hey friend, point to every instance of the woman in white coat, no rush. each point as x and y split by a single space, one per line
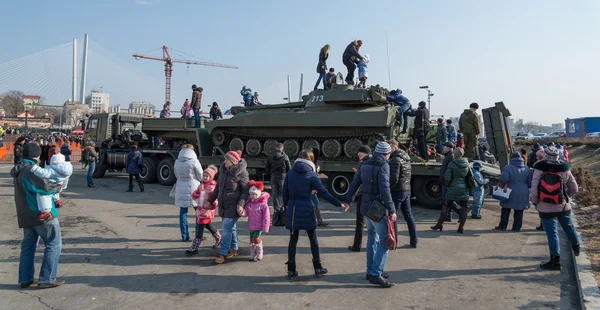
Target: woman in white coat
189 174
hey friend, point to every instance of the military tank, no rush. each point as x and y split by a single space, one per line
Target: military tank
336 122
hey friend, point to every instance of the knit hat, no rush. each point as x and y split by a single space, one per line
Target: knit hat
551 153
234 156
31 151
536 146
211 171
364 149
57 159
255 188
458 152
448 144
515 155
383 148
540 154
477 165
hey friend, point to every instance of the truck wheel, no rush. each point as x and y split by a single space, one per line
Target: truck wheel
148 173
100 170
166 172
338 184
428 191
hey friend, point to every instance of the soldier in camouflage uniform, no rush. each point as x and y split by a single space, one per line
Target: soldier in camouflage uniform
469 125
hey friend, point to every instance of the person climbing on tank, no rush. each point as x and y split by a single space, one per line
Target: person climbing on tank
215 112
403 104
247 96
421 128
350 58
255 100
363 74
322 66
330 78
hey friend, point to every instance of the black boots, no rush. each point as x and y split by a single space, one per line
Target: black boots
319 270
553 264
292 273
576 249
380 280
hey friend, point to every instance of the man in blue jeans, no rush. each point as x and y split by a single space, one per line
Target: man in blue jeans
400 174
91 158
196 103
35 223
374 176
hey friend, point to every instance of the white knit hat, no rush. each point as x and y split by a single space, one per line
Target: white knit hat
57 158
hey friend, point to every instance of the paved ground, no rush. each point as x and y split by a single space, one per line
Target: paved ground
122 250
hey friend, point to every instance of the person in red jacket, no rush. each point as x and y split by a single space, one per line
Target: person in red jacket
203 214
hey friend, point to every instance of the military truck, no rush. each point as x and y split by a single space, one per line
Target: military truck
335 121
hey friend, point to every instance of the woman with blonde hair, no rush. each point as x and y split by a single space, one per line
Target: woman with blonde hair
322 66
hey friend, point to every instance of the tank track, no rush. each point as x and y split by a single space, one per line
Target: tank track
343 142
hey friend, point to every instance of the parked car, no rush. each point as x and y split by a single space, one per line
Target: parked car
557 134
523 136
592 135
540 135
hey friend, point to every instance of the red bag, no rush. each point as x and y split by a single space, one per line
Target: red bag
390 241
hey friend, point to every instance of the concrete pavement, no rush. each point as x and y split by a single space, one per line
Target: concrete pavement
123 250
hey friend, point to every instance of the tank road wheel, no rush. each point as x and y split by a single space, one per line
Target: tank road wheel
311 144
428 191
166 172
236 145
332 148
291 148
253 147
373 140
351 148
269 146
148 171
218 137
338 184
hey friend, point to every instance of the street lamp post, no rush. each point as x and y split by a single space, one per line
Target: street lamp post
26 120
429 95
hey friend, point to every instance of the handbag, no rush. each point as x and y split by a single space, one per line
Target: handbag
390 241
471 180
279 216
501 194
376 209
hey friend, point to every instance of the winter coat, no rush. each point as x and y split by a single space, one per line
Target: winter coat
351 53
374 175
518 177
196 98
200 196
134 162
56 174
421 119
400 171
18 152
448 158
570 186
460 140
478 191
398 99
532 157
186 111
297 190
232 189
278 162
451 133
455 178
51 153
27 185
259 217
90 153
188 172
330 79
322 65
566 155
246 93
64 149
362 70
215 113
45 150
165 113
441 135
469 123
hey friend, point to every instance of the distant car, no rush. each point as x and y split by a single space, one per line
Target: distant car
523 136
541 135
592 135
557 134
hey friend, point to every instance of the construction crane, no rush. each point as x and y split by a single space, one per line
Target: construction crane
169 67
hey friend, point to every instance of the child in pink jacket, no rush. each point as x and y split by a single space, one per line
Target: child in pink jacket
205 215
259 218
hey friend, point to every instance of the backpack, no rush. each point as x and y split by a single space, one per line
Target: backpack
551 188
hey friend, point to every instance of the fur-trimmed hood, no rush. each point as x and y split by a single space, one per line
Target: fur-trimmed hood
552 166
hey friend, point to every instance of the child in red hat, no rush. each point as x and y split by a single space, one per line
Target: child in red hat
259 218
205 215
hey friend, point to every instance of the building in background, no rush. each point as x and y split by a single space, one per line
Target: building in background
98 102
579 127
74 112
141 107
558 126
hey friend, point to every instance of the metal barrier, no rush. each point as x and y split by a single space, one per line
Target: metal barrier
7 151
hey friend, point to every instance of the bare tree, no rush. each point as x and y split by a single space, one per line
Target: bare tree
12 102
76 112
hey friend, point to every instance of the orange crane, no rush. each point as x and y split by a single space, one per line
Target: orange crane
169 67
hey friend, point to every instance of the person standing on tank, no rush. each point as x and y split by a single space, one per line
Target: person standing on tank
421 127
247 96
400 175
196 103
350 58
322 65
278 164
469 126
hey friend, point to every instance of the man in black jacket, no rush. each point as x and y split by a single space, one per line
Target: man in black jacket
448 158
364 154
532 157
350 58
278 164
400 174
421 127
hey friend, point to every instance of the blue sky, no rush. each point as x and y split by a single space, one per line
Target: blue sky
539 57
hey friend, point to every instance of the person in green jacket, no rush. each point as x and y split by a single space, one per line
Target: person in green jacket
469 125
457 194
